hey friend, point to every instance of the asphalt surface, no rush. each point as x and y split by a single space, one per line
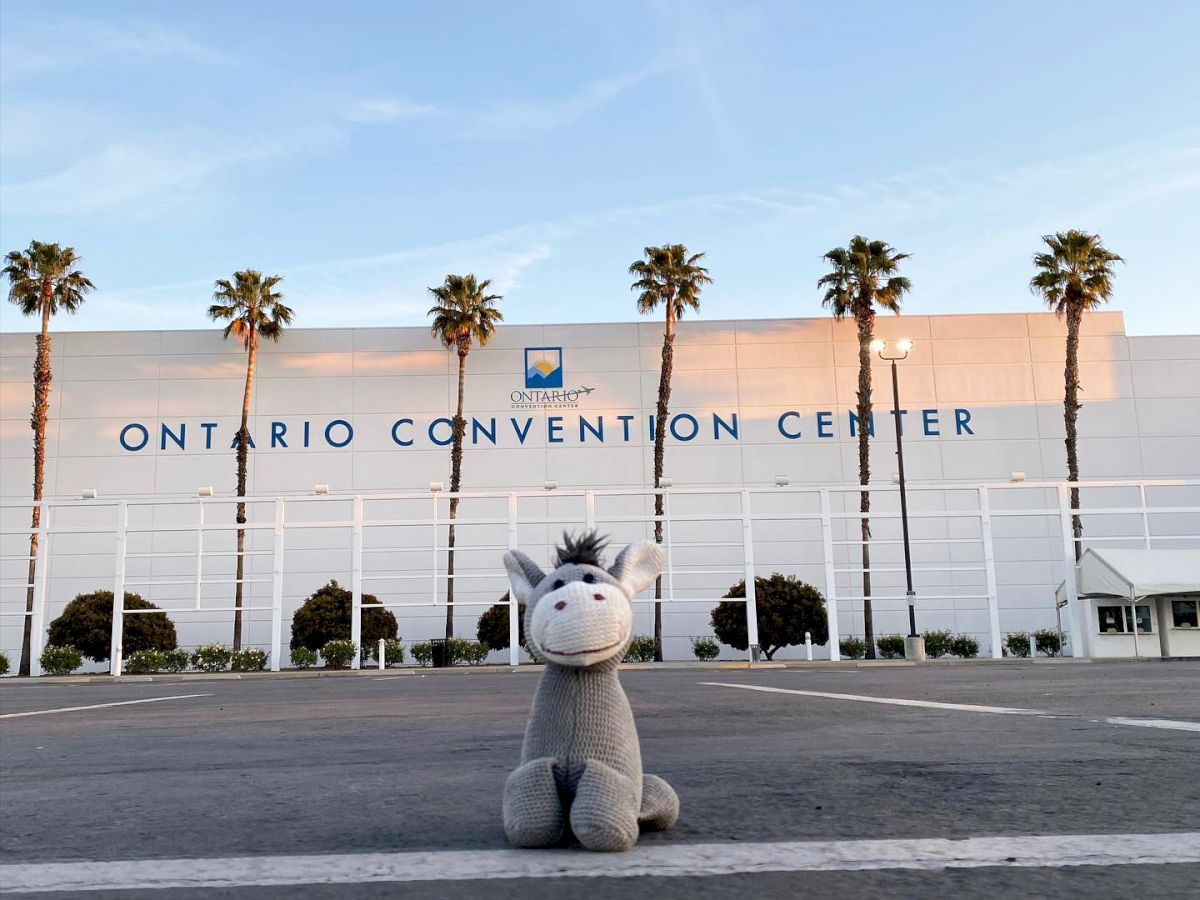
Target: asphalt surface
404 762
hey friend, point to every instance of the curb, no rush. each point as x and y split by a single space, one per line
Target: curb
410 671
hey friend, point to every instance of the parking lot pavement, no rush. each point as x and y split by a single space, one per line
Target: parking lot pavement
403 763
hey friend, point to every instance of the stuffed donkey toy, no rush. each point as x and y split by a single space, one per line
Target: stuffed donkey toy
581 766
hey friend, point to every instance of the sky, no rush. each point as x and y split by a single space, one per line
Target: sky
364 150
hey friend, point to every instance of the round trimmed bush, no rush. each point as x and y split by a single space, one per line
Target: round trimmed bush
325 617
641 649
303 658
86 625
492 629
938 643
338 654
787 607
852 648
1017 645
249 659
57 660
212 658
144 662
705 648
422 653
4 664
891 646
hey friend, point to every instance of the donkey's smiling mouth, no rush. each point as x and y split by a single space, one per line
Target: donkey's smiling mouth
617 643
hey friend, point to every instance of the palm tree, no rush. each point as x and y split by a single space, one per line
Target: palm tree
862 276
465 313
253 309
1075 275
670 276
42 280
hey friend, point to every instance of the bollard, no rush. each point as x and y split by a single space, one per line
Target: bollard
808 645
379 658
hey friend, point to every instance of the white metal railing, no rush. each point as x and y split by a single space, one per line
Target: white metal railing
746 512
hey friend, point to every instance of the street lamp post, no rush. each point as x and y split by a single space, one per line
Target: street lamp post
914 644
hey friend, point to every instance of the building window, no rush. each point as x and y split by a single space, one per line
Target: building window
1119 619
1185 613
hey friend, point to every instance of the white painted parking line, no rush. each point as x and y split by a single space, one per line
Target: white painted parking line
889 701
64 709
657 860
1170 724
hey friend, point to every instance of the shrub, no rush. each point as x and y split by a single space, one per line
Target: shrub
422 653
891 646
143 662
787 608
4 664
303 658
471 652
58 660
176 660
393 653
965 646
705 648
938 643
86 624
338 654
1048 642
212 658
852 648
325 617
492 629
641 649
1017 645
250 659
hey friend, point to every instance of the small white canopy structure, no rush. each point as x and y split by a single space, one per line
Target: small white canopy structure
1133 575
1137 573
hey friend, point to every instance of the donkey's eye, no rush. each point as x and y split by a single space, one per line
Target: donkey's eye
589 577
558 583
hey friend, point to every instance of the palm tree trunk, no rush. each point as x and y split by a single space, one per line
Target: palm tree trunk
865 336
1070 415
41 409
243 453
660 435
460 428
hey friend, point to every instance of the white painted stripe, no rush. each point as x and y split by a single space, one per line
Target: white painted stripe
890 701
63 709
1172 724
663 860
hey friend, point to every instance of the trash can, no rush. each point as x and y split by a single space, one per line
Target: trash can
440 653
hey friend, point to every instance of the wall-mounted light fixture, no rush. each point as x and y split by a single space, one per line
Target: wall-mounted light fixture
88 494
665 482
782 481
437 486
320 489
1016 477
205 491
550 484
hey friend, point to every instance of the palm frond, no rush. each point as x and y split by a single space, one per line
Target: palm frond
44 278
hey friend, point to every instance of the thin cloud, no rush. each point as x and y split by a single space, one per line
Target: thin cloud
379 110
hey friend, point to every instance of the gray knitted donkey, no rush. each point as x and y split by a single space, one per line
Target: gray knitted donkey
581 766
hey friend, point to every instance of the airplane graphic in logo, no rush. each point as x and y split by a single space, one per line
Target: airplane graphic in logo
543 367
587 390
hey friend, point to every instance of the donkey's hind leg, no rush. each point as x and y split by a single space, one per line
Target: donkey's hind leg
660 804
533 813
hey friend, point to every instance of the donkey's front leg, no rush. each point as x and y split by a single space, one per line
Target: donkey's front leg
604 815
533 813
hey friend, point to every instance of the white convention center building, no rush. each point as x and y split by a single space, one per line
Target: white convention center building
351 429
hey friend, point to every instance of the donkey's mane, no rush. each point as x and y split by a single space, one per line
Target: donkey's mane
584 550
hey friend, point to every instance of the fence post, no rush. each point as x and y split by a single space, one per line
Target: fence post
277 588
41 578
831 603
751 606
1145 514
356 555
989 565
118 616
808 645
199 551
514 609
381 650
1075 616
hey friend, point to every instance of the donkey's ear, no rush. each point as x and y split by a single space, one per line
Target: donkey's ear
523 573
637 566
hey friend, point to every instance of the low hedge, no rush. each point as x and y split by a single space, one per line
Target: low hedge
303 658
891 646
852 648
4 664
641 648
338 654
704 648
212 658
249 659
58 660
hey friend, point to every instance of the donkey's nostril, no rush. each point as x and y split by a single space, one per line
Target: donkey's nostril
561 604
598 596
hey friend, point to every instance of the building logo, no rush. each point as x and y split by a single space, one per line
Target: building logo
543 368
